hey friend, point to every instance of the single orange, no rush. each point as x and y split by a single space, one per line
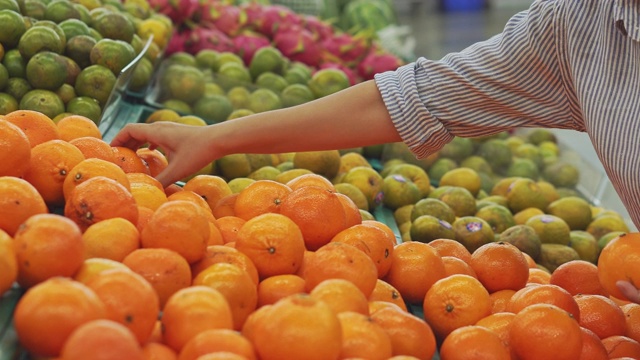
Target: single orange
15 150
164 269
259 197
211 187
619 346
235 285
415 267
155 160
148 195
555 327
107 338
113 239
129 300
144 215
77 126
450 247
632 317
538 276
453 302
37 126
229 227
454 265
310 180
274 244
226 254
217 340
50 164
601 315
142 178
19 200
225 206
317 211
620 260
373 241
351 210
128 160
532 263
386 292
578 277
193 310
592 346
337 260
363 338
92 167
191 196
498 323
276 287
100 198
473 342
341 296
8 263
409 334
546 294
222 355
499 266
158 351
500 300
49 312
94 266
94 148
41 243
182 220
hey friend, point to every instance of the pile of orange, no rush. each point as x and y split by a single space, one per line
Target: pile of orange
114 263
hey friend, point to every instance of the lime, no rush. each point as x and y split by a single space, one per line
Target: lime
264 100
296 94
85 106
44 101
95 81
13 27
7 103
272 81
213 108
17 87
328 81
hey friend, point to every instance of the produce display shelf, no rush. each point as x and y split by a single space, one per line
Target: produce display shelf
9 348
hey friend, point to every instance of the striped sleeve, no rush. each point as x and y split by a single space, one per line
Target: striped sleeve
513 79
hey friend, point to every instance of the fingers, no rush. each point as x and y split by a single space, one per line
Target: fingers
131 136
629 291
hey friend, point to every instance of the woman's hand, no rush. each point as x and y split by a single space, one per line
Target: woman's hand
186 147
629 291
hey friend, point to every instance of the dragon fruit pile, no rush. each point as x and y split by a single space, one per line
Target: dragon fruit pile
211 24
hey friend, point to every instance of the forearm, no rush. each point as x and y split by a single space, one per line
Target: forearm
351 118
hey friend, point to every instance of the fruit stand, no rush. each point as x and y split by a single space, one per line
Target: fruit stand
287 255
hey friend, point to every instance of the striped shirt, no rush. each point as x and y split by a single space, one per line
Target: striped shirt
567 64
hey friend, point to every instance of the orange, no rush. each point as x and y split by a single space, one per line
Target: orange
37 126
49 312
148 195
144 215
276 287
619 346
310 180
8 263
317 211
77 126
499 266
601 315
259 197
50 163
94 148
100 198
620 260
190 196
107 338
386 292
164 269
94 266
532 263
498 323
211 187
215 235
409 334
225 206
500 300
235 285
142 178
363 338
351 210
47 245
453 302
578 277
450 247
538 276
274 244
113 239
226 254
155 160
592 347
229 227
158 351
632 318
296 327
15 150
222 355
172 188
377 305
415 267
341 296
338 260
19 200
473 342
181 220
129 161
545 294
92 167
129 300
191 311
549 325
454 265
217 340
373 241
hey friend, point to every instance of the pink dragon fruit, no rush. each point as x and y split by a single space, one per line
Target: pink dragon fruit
320 29
351 74
177 41
178 10
226 18
253 13
348 48
377 61
248 42
276 18
298 44
202 38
